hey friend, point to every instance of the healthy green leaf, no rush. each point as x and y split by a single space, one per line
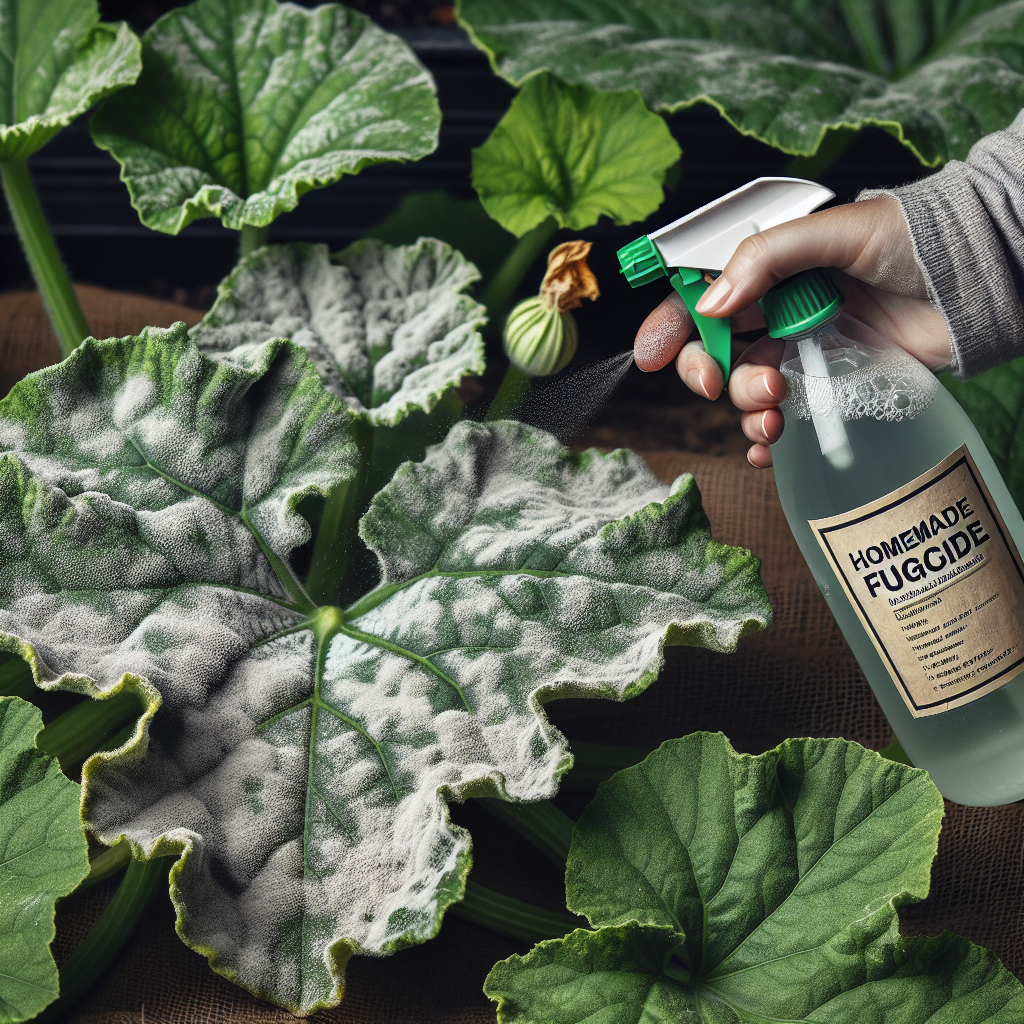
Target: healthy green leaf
43 856
937 75
243 106
995 402
390 329
302 758
56 61
573 153
727 888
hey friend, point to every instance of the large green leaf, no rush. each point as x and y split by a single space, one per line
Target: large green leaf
937 74
995 402
43 856
302 757
245 105
730 889
573 153
389 328
56 61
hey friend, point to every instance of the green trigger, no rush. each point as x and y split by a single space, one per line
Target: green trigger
715 333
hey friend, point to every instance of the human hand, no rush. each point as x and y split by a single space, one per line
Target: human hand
880 279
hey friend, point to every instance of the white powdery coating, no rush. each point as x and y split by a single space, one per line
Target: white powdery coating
313 813
389 328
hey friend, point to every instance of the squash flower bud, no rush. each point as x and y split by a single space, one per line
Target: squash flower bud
540 333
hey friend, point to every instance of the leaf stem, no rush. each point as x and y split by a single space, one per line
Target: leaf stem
498 294
252 238
541 824
332 551
895 752
514 386
832 146
16 679
514 918
593 763
105 865
99 948
47 267
81 731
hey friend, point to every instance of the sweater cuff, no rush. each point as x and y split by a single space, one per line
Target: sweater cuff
964 264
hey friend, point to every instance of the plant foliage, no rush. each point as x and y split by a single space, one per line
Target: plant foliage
572 153
995 402
43 856
725 888
302 756
245 105
390 329
56 61
936 74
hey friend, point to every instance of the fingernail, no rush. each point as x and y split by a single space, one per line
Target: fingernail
703 386
764 416
714 297
767 385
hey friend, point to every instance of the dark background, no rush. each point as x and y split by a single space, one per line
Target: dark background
103 242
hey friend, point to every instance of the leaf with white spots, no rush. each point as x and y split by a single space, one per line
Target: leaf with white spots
936 74
299 758
245 105
56 60
389 328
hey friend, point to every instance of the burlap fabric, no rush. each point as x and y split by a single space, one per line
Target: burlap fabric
796 679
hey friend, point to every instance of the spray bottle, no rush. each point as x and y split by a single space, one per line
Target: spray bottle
893 498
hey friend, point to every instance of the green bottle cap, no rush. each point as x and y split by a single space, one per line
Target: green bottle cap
641 262
801 302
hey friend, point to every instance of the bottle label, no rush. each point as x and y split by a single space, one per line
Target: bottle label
937 582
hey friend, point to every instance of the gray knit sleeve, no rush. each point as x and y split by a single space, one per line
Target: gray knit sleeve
967 224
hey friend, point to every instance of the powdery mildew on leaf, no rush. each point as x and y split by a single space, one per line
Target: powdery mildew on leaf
301 758
782 72
245 105
389 328
43 856
574 154
724 887
56 61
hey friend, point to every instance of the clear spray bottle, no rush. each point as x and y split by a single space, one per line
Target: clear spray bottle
908 529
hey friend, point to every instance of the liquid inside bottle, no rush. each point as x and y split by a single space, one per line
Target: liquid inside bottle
864 419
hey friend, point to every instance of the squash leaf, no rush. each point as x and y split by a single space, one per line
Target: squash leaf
390 329
56 61
573 153
995 402
301 757
935 74
727 888
243 106
43 856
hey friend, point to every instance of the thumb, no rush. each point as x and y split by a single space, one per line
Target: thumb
854 238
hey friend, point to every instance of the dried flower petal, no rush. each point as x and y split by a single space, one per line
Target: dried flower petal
568 279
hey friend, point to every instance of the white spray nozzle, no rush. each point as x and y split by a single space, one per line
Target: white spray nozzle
707 238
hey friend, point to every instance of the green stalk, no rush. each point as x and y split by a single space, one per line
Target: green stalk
834 144
105 865
542 824
514 387
512 917
498 294
895 752
43 258
99 948
253 238
80 732
595 762
16 679
332 551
